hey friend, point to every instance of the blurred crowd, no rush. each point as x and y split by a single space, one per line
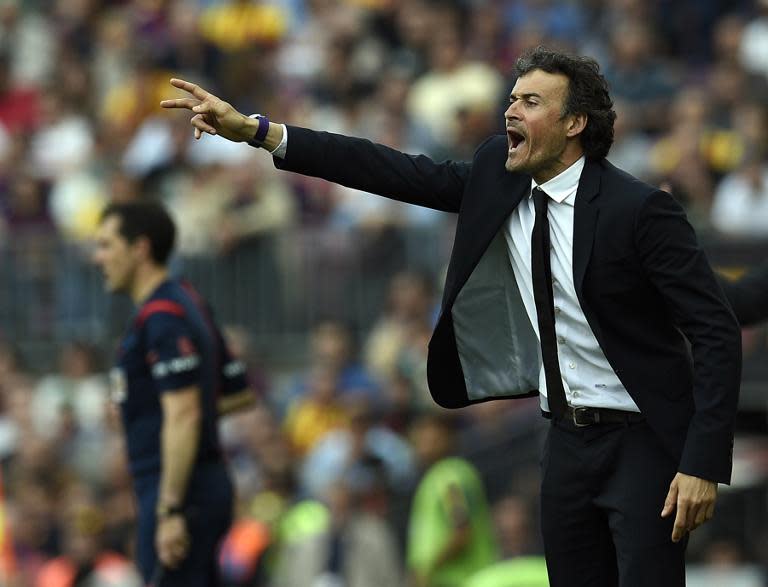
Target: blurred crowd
329 465
347 473
80 83
330 462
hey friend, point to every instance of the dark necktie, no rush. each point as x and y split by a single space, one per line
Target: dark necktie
545 308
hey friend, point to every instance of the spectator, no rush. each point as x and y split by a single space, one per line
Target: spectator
332 351
78 388
238 24
64 143
754 42
85 558
346 449
558 20
515 526
740 206
631 145
410 304
680 156
450 533
19 105
356 548
638 74
318 412
452 84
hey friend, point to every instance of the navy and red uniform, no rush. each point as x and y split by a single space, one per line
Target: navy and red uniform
172 343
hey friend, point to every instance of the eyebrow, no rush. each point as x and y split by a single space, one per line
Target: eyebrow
524 96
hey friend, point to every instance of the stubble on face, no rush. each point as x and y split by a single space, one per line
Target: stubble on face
536 128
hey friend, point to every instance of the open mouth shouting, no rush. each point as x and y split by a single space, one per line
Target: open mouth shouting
515 139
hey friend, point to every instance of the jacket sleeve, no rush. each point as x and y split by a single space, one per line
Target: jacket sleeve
373 168
748 295
678 268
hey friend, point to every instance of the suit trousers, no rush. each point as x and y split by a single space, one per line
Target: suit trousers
603 489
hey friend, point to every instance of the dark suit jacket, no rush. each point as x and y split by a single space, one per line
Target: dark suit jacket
748 295
644 284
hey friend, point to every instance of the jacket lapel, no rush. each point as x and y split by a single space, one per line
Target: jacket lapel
585 218
479 224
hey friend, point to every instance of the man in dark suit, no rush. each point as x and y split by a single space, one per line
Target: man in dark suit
573 280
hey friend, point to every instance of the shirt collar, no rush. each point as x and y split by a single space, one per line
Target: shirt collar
562 188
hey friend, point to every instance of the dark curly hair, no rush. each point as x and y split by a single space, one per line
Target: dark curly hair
587 94
145 218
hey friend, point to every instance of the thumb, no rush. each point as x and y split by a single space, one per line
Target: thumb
671 501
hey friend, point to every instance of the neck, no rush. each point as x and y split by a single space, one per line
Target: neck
148 278
568 157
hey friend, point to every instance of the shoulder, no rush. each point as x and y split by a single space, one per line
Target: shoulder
627 191
168 308
173 302
614 178
159 310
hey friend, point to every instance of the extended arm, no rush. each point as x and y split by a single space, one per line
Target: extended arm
356 163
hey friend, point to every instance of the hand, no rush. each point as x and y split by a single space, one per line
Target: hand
212 114
694 499
171 540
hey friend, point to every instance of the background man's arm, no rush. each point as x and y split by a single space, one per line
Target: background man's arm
180 438
179 442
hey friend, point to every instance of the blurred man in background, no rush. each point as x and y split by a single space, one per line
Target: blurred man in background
172 365
450 533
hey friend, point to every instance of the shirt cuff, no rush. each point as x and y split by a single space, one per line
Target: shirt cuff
281 149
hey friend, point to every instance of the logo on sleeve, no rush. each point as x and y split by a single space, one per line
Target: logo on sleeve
188 360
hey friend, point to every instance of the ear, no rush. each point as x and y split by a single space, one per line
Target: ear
577 123
143 248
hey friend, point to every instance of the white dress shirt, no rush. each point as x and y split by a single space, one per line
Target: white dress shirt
588 378
282 146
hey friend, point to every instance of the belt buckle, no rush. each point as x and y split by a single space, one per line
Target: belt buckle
582 423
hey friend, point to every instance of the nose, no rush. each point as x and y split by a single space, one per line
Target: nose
512 112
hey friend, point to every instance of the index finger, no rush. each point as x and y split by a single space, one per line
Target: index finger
193 89
188 103
681 522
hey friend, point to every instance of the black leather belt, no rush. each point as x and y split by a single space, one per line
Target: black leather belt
582 417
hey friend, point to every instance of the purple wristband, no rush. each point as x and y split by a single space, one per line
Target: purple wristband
261 132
